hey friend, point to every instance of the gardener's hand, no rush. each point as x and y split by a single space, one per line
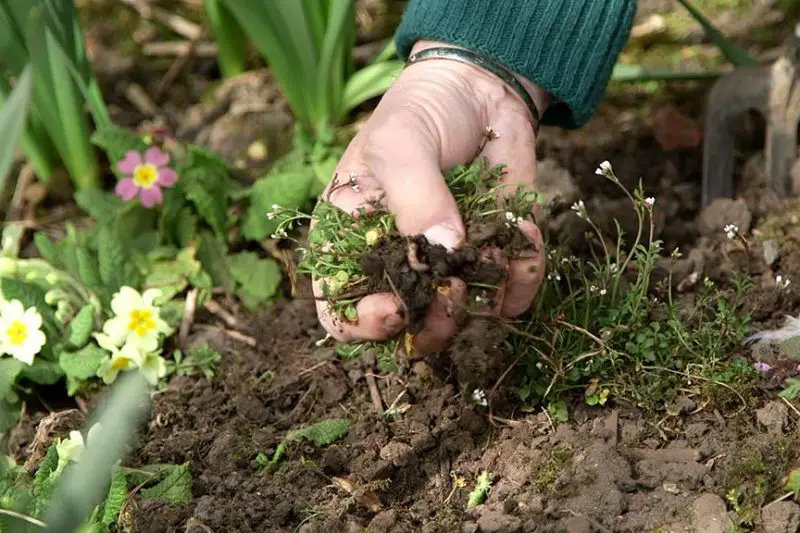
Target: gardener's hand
436 115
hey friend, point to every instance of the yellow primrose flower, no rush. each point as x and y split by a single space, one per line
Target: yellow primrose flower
122 359
135 318
72 448
153 368
20 331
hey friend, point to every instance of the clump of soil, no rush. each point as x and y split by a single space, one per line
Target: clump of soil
414 269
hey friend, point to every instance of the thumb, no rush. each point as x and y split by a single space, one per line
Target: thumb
415 190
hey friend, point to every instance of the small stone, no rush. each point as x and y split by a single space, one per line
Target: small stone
781 517
383 522
710 515
577 524
774 416
398 453
469 527
770 251
498 522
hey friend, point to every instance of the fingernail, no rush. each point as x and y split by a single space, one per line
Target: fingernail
393 324
444 235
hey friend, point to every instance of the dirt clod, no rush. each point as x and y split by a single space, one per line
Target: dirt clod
774 416
781 517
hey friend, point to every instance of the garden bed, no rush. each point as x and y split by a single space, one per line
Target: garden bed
713 453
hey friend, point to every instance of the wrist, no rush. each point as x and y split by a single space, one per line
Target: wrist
540 97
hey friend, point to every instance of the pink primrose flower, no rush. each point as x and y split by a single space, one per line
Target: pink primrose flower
146 177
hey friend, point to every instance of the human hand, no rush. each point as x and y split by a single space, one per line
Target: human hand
437 115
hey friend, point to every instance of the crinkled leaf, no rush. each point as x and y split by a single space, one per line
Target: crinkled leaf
117 494
88 270
9 370
213 256
81 365
116 141
176 487
81 327
101 206
290 189
172 312
258 278
322 433
42 372
173 276
206 188
47 249
9 414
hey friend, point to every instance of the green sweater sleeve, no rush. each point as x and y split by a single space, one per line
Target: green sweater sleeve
567 47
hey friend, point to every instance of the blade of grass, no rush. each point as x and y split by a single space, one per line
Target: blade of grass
85 484
637 73
230 38
272 27
12 122
77 152
735 54
369 82
35 142
331 64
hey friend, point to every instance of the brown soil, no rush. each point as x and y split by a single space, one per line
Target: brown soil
610 469
414 269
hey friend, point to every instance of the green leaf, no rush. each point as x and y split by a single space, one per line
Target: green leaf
115 268
9 414
99 205
88 271
176 487
369 82
47 249
12 121
9 370
117 494
322 433
735 54
213 255
258 278
290 189
206 189
81 365
42 372
171 277
81 327
116 142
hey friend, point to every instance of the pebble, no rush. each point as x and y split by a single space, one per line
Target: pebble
398 453
710 515
774 416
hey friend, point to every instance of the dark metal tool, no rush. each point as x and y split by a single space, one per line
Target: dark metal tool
774 91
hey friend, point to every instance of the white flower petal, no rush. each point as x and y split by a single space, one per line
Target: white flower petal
32 318
149 296
105 341
125 300
116 329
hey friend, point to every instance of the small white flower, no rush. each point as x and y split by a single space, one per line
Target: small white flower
71 449
592 288
731 230
554 276
603 292
604 169
275 207
509 216
613 268
650 201
782 282
479 397
580 209
20 332
137 318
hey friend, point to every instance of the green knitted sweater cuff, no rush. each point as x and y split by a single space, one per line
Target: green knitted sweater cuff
567 47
